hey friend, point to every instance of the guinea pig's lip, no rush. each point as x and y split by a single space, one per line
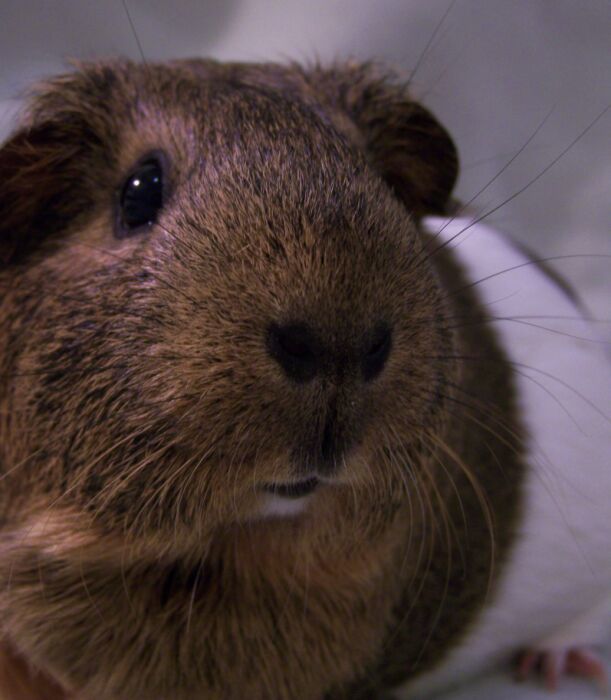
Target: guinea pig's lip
293 489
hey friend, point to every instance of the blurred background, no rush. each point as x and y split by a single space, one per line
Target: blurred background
492 71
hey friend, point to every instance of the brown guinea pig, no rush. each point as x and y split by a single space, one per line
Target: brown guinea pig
263 433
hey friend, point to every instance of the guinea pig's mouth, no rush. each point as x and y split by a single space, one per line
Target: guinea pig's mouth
294 489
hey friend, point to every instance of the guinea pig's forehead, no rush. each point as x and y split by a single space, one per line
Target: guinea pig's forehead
231 104
257 123
252 144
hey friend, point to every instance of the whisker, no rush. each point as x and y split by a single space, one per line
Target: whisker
528 184
424 52
192 596
134 32
472 322
534 261
481 497
515 365
538 468
470 201
446 582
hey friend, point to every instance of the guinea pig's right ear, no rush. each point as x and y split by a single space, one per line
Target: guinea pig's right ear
39 187
403 141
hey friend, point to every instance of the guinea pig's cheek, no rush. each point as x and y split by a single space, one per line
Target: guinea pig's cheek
95 247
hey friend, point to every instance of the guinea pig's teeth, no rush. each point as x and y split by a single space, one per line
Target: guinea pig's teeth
281 507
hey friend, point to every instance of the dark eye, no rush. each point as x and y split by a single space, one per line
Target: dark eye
141 198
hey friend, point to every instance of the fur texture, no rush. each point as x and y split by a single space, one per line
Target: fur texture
142 416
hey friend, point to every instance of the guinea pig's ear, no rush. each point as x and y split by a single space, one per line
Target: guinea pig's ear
51 168
39 188
404 142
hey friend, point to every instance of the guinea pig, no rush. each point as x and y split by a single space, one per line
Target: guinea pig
275 421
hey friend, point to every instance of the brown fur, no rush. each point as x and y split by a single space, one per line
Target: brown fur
140 411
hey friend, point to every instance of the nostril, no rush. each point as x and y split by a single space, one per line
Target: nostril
377 352
378 346
294 344
295 349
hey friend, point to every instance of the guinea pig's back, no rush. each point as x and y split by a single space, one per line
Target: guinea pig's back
555 587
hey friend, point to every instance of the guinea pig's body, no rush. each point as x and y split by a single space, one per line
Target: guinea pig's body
261 435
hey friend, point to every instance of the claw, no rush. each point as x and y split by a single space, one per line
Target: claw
552 665
585 663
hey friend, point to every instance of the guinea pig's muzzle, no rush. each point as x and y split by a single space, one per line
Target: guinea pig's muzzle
343 369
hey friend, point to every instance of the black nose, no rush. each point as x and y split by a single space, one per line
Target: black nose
295 349
302 356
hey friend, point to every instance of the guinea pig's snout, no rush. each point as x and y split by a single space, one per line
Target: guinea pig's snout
303 356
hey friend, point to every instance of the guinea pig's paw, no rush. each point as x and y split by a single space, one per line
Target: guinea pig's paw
553 664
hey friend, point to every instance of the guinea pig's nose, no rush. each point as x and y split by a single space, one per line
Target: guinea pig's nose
300 353
376 352
296 350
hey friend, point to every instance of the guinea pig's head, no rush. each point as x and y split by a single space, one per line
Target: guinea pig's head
217 308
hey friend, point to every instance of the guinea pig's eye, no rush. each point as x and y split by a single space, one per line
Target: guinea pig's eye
141 198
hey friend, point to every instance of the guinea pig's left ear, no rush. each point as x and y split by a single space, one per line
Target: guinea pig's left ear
54 164
38 191
404 142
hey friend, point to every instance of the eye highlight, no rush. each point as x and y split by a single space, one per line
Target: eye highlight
141 198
